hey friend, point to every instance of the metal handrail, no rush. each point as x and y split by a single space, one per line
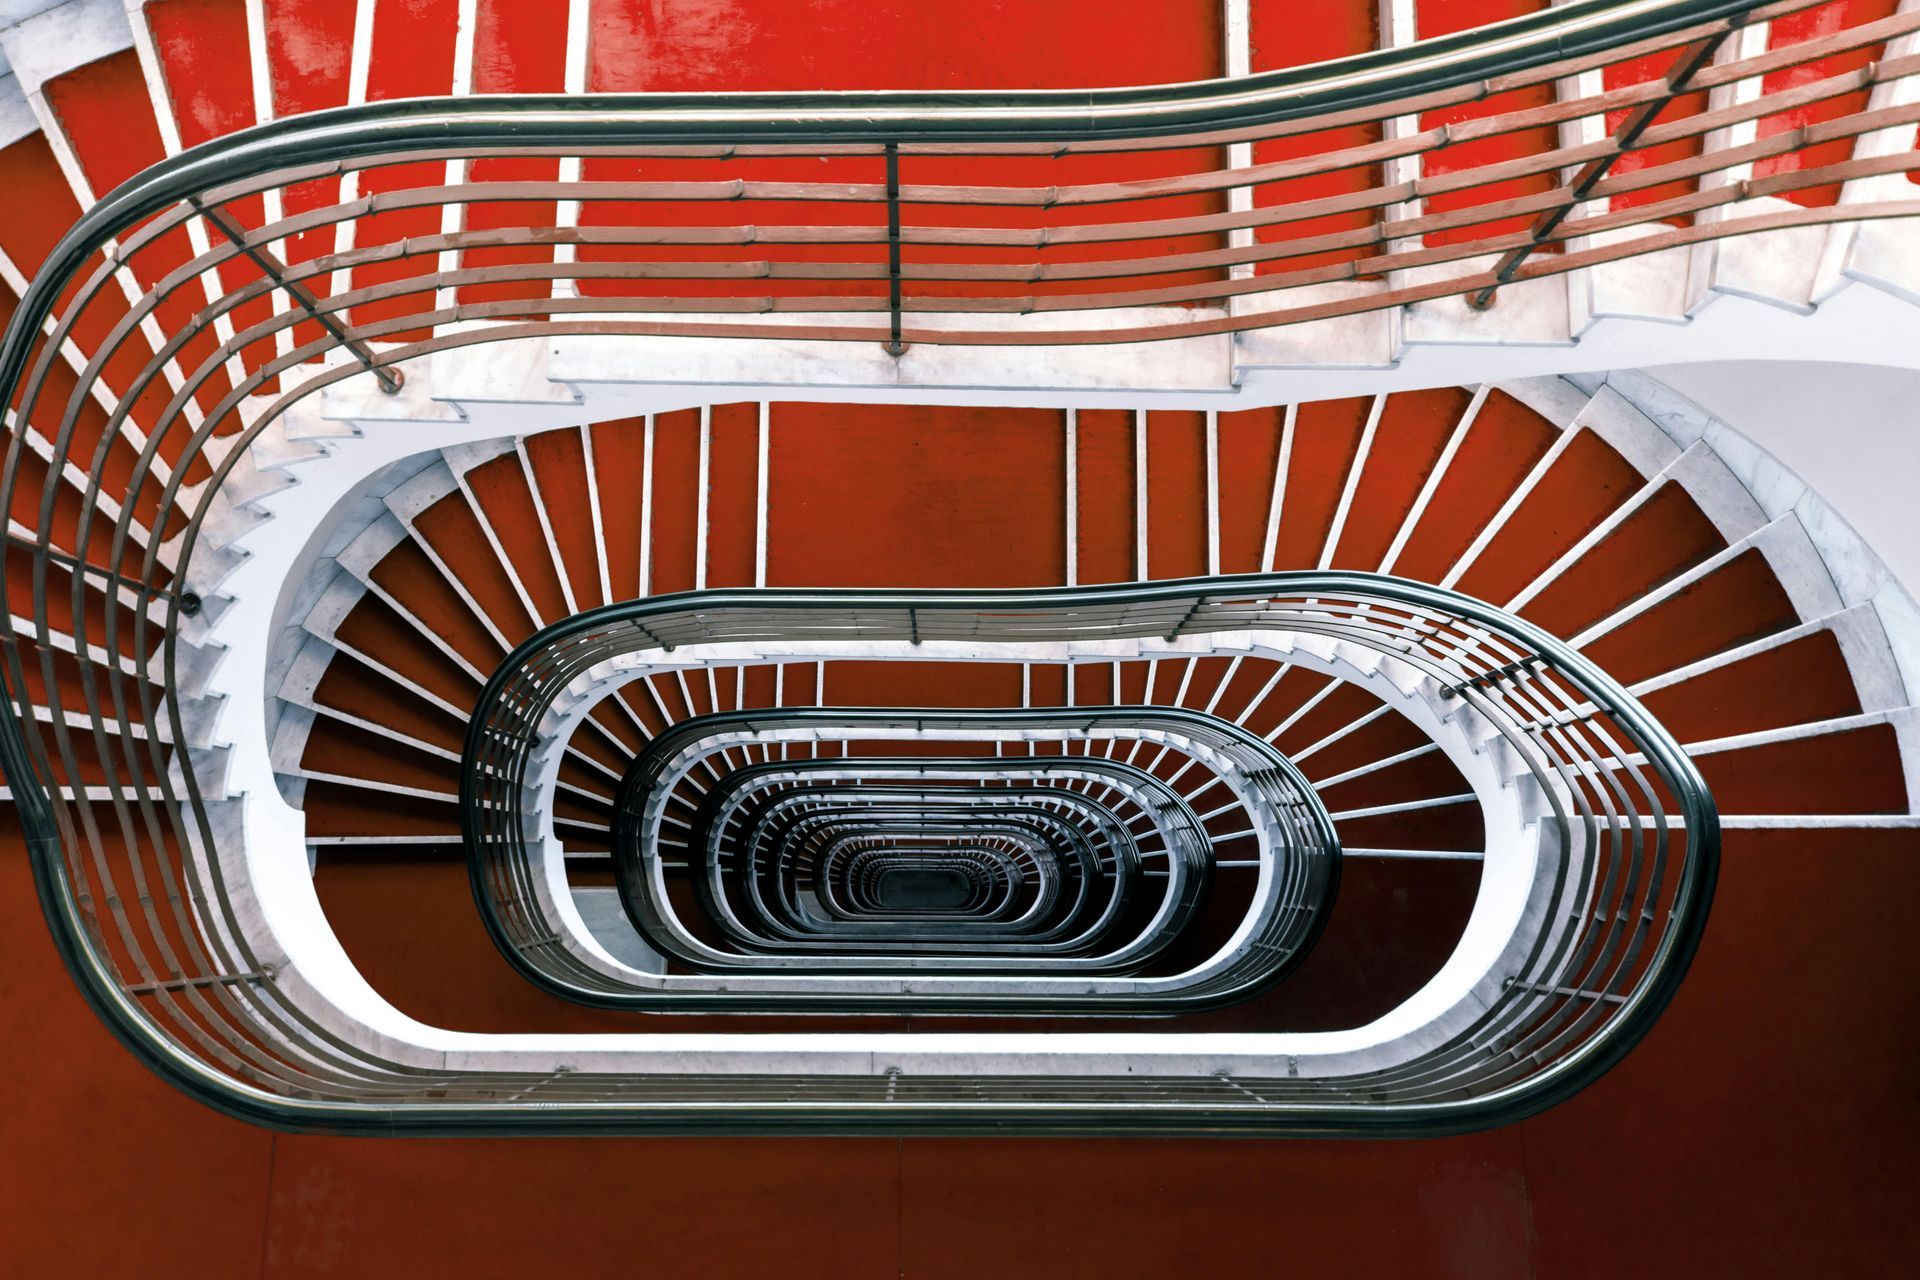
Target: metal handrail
499 807
1184 835
1463 68
1523 680
1097 847
1481 662
173 940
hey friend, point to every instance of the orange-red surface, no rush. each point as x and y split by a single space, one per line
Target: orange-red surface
1766 1128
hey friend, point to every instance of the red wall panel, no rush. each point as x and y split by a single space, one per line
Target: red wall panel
901 496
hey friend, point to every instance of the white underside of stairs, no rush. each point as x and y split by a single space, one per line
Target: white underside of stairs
611 376
328 544
346 448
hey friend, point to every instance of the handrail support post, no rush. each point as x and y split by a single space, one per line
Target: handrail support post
1693 58
895 347
390 380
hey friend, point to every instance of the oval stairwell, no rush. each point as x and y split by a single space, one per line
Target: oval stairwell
316 427
814 604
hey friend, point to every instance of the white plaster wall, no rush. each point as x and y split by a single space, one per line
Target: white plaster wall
1851 431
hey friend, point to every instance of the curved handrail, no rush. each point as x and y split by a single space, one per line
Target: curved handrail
1577 29
1593 1048
801 778
327 143
1322 93
1489 650
1190 868
503 863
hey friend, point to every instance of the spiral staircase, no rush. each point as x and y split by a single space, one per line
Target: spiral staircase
1187 611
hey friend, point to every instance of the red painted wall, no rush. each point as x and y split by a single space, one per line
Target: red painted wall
1765 1128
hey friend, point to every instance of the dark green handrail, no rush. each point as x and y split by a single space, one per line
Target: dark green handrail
477 124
